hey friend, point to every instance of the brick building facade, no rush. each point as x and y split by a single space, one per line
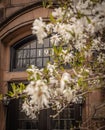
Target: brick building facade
16 17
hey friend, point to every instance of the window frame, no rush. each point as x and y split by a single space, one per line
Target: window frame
27 40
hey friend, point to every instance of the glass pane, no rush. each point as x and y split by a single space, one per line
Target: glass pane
19 63
26 53
67 119
62 126
39 45
24 63
34 124
26 46
55 124
22 115
70 124
33 44
28 124
19 53
51 51
66 113
27 62
24 122
72 113
32 53
32 61
39 52
46 52
39 62
46 42
45 60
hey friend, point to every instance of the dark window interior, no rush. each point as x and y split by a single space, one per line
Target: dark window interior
25 123
17 120
28 52
69 118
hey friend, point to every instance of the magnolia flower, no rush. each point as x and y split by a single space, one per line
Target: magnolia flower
51 68
34 72
30 110
58 13
55 39
68 58
41 94
66 79
58 105
49 28
41 34
101 58
53 81
68 94
79 45
38 97
30 87
64 31
25 107
76 28
39 29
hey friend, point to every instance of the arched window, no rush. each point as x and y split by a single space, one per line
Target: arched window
28 52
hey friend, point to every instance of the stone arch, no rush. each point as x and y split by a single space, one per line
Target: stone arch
16 28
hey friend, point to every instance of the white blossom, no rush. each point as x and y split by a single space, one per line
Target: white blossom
39 97
55 39
35 72
76 28
53 81
58 13
51 68
39 29
49 28
101 58
68 94
66 79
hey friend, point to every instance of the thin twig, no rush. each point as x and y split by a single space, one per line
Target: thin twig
59 111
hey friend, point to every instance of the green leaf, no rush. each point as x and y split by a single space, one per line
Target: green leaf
52 19
88 19
21 88
16 90
10 94
55 50
60 49
94 1
44 3
38 77
80 81
72 33
13 87
79 15
45 71
50 3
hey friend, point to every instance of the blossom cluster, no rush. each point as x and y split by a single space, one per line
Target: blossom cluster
75 33
44 92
